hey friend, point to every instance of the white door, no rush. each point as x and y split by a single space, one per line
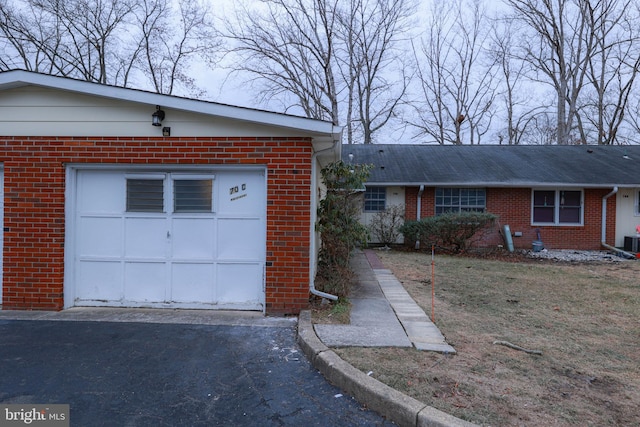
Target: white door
627 214
170 239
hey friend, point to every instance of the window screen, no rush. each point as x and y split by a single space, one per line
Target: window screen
193 195
145 195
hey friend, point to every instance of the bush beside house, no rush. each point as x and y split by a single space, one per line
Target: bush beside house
455 232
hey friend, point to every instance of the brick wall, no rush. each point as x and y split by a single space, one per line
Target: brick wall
34 185
513 208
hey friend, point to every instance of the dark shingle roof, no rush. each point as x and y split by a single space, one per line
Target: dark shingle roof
499 165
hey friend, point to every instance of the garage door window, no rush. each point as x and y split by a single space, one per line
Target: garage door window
145 195
192 195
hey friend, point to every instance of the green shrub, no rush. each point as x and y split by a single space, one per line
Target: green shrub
339 226
452 231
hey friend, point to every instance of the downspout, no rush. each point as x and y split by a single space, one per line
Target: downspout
604 228
314 218
419 210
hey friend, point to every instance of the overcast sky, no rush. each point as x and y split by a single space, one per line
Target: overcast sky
219 85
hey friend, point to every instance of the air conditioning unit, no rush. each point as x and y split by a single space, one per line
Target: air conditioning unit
631 243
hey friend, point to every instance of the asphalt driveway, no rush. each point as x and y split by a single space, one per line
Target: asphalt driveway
151 374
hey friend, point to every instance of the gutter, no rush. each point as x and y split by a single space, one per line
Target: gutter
497 184
314 217
419 210
603 239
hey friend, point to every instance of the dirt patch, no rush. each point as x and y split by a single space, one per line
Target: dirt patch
583 318
330 313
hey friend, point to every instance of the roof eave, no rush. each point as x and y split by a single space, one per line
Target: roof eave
20 78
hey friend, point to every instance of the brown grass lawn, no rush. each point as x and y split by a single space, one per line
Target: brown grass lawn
584 318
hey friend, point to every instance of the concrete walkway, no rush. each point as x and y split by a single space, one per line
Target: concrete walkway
383 314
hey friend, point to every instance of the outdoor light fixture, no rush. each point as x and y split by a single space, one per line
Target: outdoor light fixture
166 131
157 117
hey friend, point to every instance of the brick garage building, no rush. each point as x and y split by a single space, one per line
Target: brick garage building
578 197
212 208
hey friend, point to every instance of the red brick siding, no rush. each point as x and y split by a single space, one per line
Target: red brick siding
513 208
410 203
34 169
427 205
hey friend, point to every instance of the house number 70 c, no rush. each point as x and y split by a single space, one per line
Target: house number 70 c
236 189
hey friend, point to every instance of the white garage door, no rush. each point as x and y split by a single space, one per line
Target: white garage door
1 228
170 239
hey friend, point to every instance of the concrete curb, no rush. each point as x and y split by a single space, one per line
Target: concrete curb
394 405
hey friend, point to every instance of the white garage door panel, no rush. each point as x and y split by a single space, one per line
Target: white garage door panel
193 238
192 283
145 282
1 228
101 237
239 283
197 258
240 239
95 189
241 194
101 281
146 238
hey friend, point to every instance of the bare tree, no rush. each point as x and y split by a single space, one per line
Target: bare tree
612 69
289 47
632 120
22 31
587 51
558 48
377 81
456 78
349 65
541 130
73 38
331 59
521 108
106 41
168 42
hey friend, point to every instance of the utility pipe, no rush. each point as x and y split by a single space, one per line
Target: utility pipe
419 210
314 218
604 228
419 207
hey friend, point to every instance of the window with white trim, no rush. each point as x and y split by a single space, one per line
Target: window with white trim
557 207
192 195
458 200
145 195
375 199
182 193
